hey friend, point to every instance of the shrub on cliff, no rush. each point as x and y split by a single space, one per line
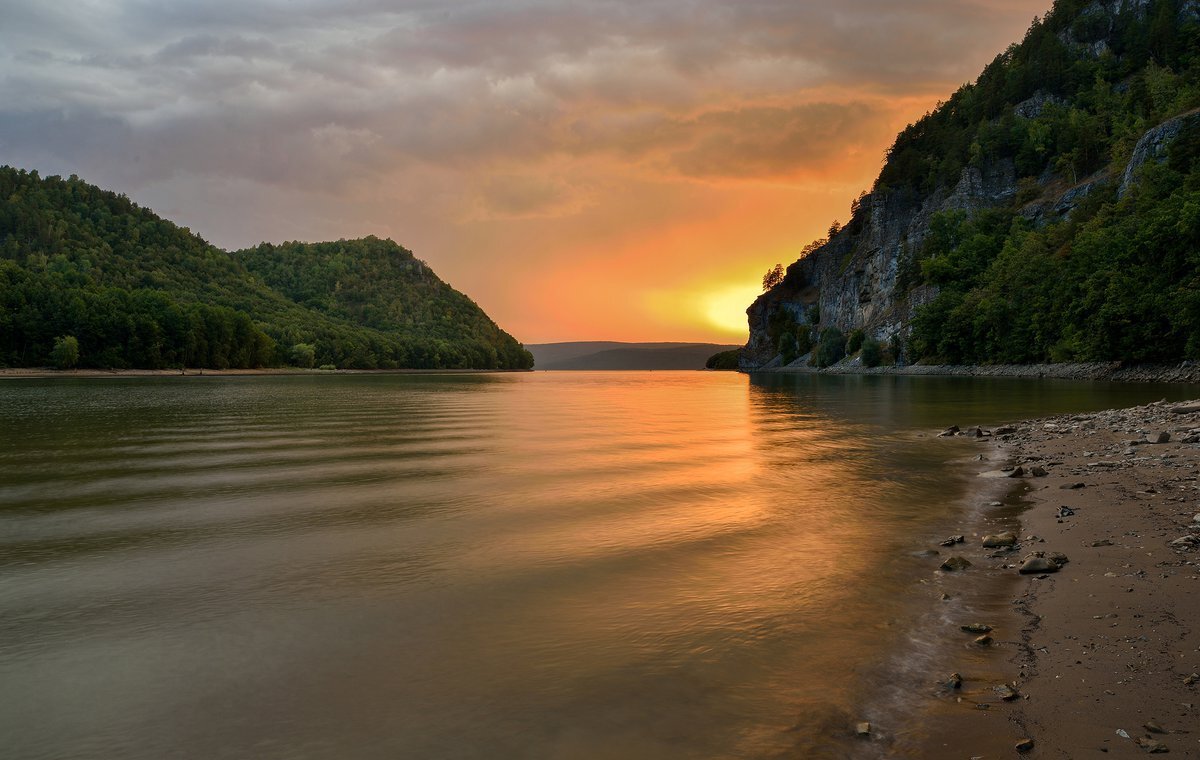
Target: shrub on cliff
872 353
855 341
832 347
788 347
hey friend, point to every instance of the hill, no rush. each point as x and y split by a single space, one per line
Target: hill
136 290
1049 211
611 355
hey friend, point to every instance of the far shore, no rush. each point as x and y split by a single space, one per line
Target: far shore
46 372
1104 652
1183 372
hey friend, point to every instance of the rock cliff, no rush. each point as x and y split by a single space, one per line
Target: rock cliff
854 279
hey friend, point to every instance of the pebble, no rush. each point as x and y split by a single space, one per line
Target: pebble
863 728
999 540
1006 692
1153 746
976 628
955 681
984 641
1025 745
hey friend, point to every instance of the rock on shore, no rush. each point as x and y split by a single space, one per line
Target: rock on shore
1111 645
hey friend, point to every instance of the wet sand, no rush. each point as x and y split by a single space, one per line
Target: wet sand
1101 655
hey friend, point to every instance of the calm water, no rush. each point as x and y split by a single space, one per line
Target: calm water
548 565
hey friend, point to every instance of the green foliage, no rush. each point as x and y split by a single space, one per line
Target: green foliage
303 355
724 360
804 340
1116 280
788 349
872 353
138 291
65 353
1093 105
855 341
832 347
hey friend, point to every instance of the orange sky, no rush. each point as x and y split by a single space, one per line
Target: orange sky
600 170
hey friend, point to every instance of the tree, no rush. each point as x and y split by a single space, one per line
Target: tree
773 277
832 347
65 353
304 355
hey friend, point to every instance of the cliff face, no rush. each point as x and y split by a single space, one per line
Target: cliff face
851 281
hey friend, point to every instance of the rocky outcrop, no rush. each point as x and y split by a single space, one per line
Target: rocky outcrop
1153 146
850 282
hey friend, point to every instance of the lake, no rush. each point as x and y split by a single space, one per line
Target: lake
540 565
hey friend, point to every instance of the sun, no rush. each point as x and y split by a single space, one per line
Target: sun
725 308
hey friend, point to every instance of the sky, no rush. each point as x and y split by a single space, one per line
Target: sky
599 170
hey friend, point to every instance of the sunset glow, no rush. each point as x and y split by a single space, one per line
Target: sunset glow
621 171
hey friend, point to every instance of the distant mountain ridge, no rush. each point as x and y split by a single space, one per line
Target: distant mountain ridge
137 291
614 355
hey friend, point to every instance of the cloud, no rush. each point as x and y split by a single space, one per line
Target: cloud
443 121
778 142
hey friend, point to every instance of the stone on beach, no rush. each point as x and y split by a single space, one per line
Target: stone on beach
999 540
976 628
1006 692
1152 746
1025 745
955 563
862 728
1038 565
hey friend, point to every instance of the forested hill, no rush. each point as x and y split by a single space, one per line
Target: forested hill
134 290
1049 211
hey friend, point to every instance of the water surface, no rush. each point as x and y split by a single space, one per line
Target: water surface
546 565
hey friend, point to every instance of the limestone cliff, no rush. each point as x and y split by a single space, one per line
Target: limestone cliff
851 280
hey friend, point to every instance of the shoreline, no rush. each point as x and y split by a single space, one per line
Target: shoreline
43 372
1105 650
1184 372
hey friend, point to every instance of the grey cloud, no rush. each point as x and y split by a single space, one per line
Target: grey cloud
767 142
326 94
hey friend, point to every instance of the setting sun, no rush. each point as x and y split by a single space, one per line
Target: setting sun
725 309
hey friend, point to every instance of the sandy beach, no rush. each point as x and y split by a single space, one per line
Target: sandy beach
1103 584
